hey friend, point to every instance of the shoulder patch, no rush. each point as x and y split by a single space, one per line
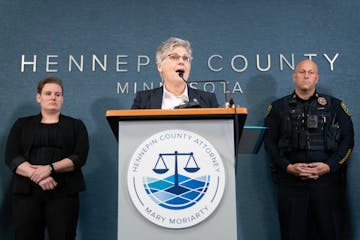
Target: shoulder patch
268 110
346 110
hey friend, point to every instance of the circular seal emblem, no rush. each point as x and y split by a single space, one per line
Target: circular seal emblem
322 101
176 179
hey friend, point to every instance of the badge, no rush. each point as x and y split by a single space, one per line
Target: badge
268 110
346 110
322 101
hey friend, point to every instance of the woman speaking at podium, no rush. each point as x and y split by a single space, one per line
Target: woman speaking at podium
45 152
173 59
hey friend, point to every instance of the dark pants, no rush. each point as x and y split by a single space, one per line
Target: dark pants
55 211
311 211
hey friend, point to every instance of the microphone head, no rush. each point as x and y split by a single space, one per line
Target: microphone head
181 73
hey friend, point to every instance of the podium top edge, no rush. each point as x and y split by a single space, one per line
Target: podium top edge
186 111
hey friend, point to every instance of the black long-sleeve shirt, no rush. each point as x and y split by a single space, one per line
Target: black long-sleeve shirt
71 140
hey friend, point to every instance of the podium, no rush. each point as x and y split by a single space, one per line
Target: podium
176 172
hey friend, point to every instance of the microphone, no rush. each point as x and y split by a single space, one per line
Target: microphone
181 74
229 101
191 104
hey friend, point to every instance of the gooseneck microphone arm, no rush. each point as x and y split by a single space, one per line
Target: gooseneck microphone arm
191 104
229 102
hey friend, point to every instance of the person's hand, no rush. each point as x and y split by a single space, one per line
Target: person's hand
302 170
320 168
25 169
48 183
41 172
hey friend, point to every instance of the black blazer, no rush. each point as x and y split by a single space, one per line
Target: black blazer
152 99
74 144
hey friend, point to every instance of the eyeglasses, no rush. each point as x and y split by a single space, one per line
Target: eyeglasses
176 57
310 72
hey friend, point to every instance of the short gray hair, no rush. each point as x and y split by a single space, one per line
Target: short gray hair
169 45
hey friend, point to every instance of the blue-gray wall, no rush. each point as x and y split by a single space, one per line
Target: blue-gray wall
127 33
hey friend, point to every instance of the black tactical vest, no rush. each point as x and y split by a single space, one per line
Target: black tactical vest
307 123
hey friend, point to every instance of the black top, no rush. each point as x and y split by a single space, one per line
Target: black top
46 147
30 140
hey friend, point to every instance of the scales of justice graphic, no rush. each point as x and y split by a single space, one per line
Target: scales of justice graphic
176 191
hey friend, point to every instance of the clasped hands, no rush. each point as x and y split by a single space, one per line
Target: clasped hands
308 170
40 175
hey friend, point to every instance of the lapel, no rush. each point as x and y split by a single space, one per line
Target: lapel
156 98
193 94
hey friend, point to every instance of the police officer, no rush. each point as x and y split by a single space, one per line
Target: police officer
310 137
